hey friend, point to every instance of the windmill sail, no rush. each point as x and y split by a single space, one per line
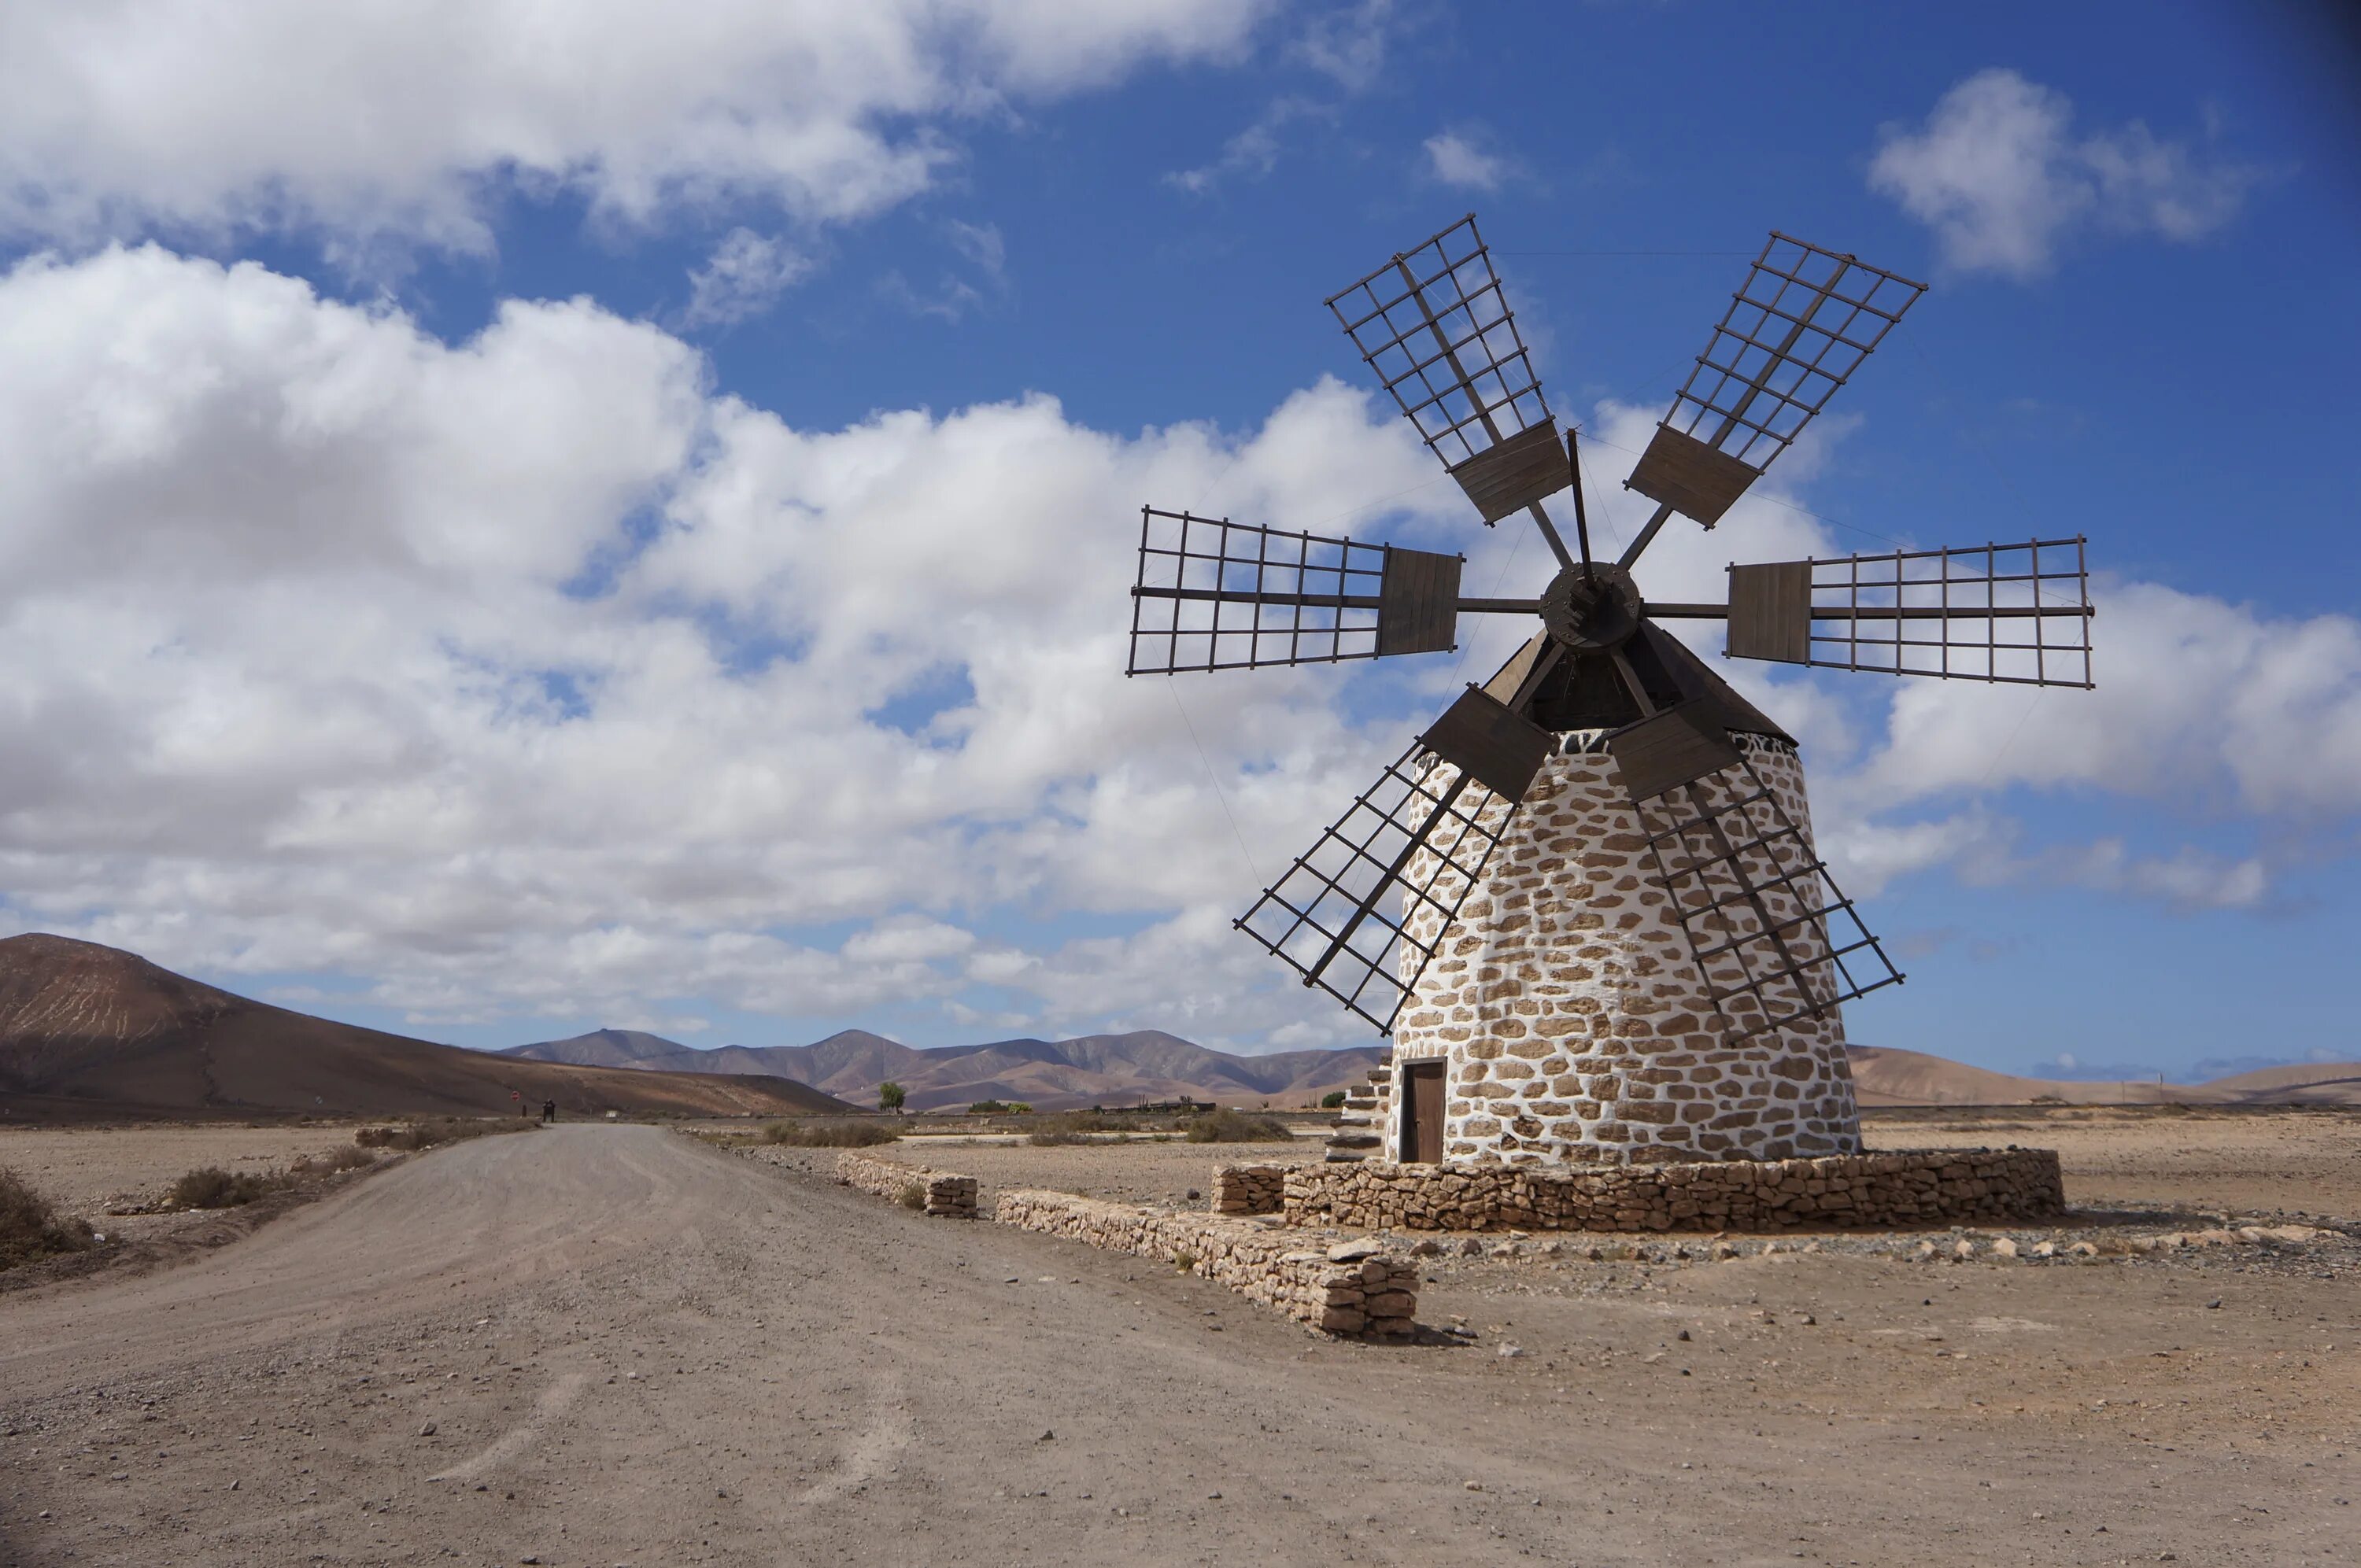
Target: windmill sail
1216 594
1362 912
2011 614
1802 324
1435 326
1774 938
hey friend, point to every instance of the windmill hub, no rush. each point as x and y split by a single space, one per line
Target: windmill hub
1591 608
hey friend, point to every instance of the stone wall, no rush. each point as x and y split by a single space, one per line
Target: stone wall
1353 1289
1249 1189
1913 1190
947 1196
1571 1013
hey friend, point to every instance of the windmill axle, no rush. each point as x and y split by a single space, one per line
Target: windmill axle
1591 608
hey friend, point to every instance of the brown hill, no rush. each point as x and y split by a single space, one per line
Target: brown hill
89 1032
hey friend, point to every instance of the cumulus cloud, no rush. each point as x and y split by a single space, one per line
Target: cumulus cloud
526 676
1457 158
743 278
1999 174
369 119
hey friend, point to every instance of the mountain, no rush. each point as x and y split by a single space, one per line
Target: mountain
1096 1070
1882 1076
90 1031
1148 1064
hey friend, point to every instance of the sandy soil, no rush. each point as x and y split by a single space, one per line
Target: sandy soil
2295 1162
615 1344
89 1171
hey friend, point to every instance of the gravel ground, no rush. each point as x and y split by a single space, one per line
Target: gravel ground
615 1345
1132 1172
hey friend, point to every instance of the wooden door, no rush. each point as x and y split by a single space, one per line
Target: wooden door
1421 1139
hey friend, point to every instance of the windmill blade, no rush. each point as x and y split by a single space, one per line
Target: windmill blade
1774 938
1435 326
2010 614
1799 327
1217 594
1361 912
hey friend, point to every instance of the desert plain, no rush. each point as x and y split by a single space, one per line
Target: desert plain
602 1344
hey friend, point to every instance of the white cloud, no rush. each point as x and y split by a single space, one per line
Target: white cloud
1349 44
371 118
744 278
1253 152
525 675
1454 158
1997 172
337 649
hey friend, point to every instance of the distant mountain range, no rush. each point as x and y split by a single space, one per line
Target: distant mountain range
1096 1070
93 1033
90 1031
1122 1070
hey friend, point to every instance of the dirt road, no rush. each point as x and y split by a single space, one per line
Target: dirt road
605 1346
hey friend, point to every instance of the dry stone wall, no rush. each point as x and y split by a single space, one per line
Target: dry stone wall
1914 1189
1249 1189
949 1196
1352 1289
1570 1011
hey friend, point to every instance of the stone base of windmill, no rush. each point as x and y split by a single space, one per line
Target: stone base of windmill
1562 1033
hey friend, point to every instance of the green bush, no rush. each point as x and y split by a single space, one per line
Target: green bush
829 1135
986 1107
1332 1101
30 1225
1236 1127
210 1187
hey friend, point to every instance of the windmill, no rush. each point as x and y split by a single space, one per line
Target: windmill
1585 900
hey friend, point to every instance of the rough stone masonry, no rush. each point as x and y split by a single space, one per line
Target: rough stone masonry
1906 1189
1571 1013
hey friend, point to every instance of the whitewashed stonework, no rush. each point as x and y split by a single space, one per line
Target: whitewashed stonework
1570 1013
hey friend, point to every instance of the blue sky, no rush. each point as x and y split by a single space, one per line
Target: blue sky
512 531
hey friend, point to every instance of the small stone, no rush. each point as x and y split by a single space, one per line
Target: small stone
1683 1336
1473 1486
1807 1319
2214 1305
427 1430
1508 1351
1213 1496
1352 1252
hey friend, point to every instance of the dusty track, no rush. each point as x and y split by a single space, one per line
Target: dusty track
636 1350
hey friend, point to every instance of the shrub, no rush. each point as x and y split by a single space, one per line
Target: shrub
343 1158
1332 1101
1073 1127
986 1107
829 1135
913 1195
210 1187
1236 1127
426 1132
1184 1260
30 1225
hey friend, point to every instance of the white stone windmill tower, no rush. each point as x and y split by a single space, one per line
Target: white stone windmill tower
1585 901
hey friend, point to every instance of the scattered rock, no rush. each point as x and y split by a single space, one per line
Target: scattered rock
1507 1351
427 1430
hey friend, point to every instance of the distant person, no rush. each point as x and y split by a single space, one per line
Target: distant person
549 1111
